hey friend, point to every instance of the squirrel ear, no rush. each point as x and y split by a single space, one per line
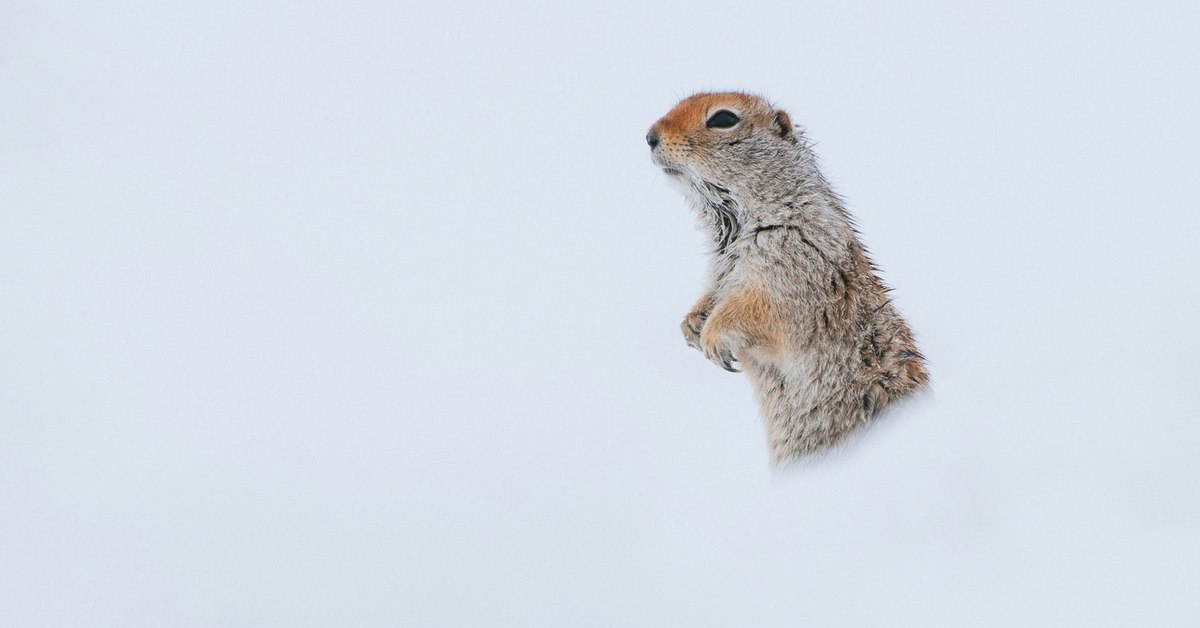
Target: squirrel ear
783 125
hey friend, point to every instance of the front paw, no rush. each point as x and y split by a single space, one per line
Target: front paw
720 348
691 326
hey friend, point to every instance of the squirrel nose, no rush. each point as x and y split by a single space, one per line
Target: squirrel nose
652 139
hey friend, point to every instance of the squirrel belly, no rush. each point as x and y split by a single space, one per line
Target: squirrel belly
793 298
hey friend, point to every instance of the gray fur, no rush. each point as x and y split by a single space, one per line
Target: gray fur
837 352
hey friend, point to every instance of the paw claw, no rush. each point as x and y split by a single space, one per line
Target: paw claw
722 357
691 326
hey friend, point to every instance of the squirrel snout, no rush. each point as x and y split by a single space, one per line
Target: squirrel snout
652 139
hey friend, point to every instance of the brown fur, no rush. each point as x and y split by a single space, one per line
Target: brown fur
747 315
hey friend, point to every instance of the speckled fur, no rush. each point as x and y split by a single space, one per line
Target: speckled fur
793 298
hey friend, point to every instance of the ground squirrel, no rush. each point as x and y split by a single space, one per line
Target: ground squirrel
793 298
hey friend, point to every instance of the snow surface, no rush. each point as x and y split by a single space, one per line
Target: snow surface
365 314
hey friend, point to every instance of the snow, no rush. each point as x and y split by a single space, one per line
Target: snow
366 314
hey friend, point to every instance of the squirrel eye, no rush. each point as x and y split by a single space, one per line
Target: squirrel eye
722 120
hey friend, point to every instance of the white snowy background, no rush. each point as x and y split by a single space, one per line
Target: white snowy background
365 313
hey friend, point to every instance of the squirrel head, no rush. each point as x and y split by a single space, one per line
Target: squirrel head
729 140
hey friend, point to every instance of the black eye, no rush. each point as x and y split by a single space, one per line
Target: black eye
722 120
